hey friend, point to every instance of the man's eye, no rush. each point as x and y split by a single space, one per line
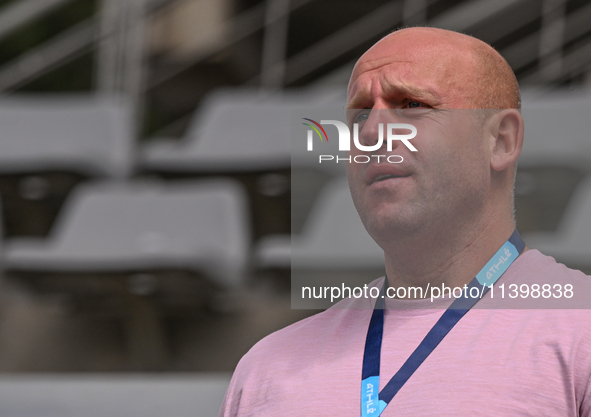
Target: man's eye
362 117
413 104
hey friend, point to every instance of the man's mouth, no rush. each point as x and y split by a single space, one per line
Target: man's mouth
383 172
387 177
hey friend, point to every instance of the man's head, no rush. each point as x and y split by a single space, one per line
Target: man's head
464 168
455 70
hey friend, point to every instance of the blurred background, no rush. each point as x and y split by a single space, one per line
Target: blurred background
148 186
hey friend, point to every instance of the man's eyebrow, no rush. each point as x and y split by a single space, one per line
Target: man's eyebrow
410 91
361 99
357 101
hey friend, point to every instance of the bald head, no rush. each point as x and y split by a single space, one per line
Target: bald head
463 72
497 88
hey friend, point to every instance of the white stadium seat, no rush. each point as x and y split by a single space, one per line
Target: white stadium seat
236 130
87 134
333 237
557 129
197 225
571 244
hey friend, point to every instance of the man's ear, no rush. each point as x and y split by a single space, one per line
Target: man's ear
506 138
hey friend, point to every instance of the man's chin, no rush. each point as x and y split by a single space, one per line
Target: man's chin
397 225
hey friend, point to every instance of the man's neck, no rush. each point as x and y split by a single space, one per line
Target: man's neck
452 258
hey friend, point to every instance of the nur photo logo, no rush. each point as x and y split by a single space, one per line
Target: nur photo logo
389 133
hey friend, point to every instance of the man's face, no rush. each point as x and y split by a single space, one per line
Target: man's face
413 78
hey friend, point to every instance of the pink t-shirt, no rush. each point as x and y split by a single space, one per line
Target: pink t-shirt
494 362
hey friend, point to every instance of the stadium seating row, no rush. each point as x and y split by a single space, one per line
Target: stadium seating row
202 226
50 145
195 395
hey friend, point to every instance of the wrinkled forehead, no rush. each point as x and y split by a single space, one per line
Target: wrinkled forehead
422 71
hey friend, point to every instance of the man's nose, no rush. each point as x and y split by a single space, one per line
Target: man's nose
373 130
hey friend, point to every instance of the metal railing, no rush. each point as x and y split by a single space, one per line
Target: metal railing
117 32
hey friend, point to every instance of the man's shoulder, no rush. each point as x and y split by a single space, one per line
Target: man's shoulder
281 367
533 266
293 333
298 336
344 322
538 281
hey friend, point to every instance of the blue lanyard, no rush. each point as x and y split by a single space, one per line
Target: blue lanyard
372 402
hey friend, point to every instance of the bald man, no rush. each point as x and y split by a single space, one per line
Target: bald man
441 217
